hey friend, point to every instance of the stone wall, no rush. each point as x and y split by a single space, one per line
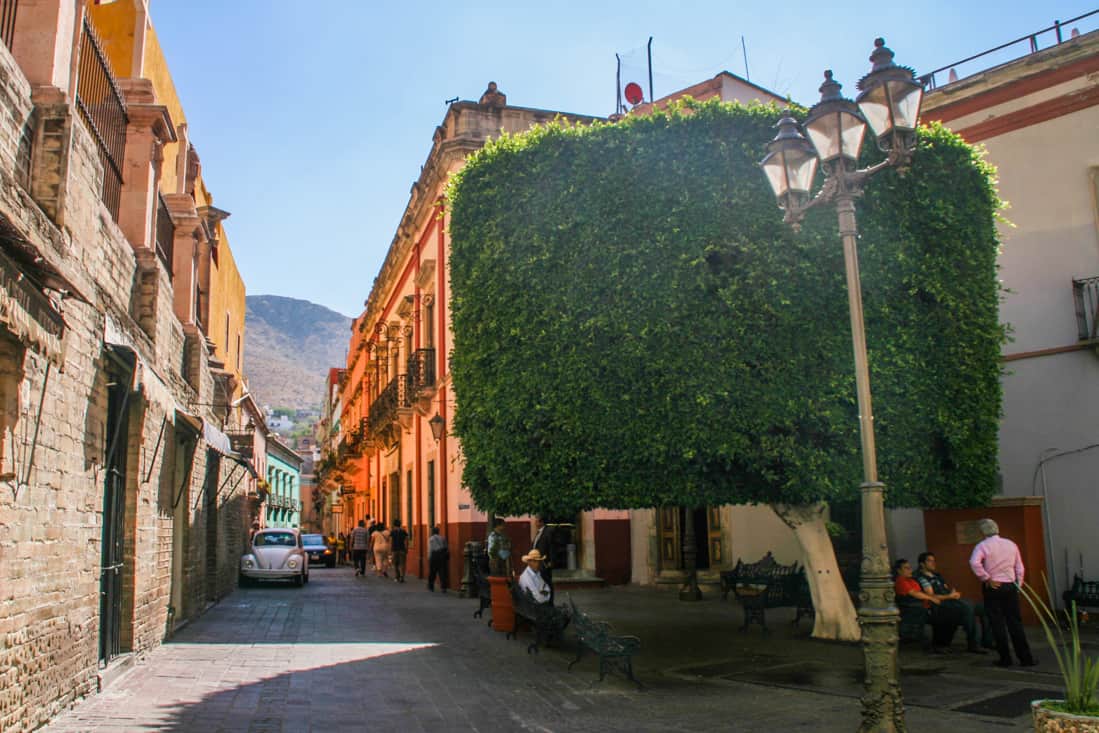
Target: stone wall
53 435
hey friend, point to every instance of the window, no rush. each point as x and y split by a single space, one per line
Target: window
429 324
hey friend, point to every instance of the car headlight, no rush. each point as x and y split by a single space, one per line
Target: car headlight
249 564
327 552
292 563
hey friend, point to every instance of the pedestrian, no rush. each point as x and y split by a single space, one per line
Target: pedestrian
360 545
531 579
499 550
398 549
438 561
997 563
341 547
543 542
372 526
379 543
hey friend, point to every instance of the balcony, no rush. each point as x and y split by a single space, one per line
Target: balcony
165 234
104 112
389 408
1085 293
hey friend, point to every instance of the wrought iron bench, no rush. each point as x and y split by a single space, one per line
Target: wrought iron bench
1084 593
549 621
914 617
612 649
767 584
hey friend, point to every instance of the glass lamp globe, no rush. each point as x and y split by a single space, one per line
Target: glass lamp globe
890 100
790 164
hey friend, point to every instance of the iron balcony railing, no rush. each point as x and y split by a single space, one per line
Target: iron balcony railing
104 111
1085 293
8 9
165 234
421 369
1004 53
383 411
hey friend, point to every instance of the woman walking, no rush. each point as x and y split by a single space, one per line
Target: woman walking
379 543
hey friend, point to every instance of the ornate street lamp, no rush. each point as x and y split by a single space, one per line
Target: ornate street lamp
437 424
890 104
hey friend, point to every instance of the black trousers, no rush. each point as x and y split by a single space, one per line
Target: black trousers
360 560
437 567
1002 607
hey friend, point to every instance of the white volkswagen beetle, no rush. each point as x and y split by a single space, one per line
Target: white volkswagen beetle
276 554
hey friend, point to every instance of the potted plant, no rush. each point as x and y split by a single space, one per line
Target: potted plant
1079 710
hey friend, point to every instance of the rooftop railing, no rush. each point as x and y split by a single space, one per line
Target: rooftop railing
8 9
1012 50
104 111
1085 293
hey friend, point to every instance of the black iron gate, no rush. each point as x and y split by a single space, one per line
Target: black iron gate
114 510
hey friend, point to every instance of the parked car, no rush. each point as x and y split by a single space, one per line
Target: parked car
276 554
318 550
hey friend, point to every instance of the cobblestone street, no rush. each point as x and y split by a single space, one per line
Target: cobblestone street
350 654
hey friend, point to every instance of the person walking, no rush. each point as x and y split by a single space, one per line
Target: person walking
398 549
341 548
379 543
438 560
997 563
360 545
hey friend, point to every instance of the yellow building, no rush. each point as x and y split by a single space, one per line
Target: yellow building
209 290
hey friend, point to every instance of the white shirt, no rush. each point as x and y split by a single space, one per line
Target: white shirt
532 581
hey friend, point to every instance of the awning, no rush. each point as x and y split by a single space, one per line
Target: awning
28 256
146 379
186 419
28 313
217 440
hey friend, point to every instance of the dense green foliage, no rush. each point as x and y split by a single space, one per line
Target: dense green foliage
634 325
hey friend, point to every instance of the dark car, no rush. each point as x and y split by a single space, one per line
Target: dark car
318 550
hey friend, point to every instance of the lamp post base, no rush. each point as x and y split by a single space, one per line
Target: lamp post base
882 706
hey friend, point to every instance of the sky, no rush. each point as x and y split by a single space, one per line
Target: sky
312 117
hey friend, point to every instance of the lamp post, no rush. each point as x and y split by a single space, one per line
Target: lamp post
890 104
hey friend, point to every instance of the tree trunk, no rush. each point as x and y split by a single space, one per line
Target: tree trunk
835 614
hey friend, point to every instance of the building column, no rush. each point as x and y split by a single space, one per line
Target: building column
149 128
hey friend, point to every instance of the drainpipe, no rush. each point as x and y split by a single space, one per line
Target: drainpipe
1044 457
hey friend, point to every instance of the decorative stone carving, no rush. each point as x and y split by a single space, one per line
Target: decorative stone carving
493 97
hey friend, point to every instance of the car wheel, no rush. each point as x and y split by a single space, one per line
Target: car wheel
305 578
330 563
243 581
299 580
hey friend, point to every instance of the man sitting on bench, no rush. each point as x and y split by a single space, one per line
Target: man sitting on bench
952 607
532 580
909 592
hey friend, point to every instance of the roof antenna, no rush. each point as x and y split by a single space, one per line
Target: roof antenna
744 47
451 101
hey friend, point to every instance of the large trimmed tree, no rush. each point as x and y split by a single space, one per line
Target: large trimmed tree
634 326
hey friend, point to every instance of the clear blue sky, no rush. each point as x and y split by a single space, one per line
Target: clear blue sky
313 117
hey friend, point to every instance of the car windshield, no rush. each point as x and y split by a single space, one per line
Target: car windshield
275 539
312 539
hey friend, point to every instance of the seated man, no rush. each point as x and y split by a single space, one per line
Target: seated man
532 580
909 592
952 605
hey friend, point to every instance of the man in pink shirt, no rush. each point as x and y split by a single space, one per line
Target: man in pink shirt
999 566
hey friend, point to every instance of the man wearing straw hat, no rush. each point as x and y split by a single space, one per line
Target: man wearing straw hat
531 579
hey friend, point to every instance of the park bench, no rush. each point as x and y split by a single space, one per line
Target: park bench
612 649
1084 593
914 617
767 584
549 621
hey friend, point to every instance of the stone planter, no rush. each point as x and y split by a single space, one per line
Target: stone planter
1052 721
503 610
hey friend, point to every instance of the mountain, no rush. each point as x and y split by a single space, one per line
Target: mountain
289 345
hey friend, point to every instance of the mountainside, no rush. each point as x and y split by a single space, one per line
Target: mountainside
289 346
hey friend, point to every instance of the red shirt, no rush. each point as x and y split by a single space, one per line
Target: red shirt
904 586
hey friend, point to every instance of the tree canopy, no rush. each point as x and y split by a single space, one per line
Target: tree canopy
635 326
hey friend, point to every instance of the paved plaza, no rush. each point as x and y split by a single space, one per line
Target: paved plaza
347 654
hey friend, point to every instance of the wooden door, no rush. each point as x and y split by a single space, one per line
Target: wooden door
714 536
668 520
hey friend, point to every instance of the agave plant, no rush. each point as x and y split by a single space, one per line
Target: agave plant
1079 672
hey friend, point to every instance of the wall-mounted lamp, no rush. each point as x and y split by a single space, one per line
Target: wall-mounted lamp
437 424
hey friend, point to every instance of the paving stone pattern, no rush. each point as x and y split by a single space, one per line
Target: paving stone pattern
350 654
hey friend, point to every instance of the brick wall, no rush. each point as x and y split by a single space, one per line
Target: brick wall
52 449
